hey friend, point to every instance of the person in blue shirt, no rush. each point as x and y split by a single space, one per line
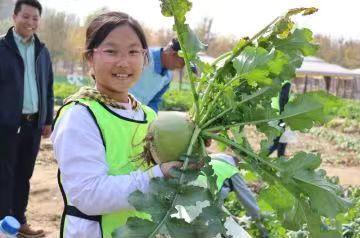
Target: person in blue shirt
157 74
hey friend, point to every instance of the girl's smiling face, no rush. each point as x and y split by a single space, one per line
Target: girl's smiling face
118 61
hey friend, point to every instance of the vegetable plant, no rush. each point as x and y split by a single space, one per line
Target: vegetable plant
232 92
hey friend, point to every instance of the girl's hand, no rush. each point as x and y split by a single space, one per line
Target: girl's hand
166 167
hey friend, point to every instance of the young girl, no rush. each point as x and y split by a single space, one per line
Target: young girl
98 133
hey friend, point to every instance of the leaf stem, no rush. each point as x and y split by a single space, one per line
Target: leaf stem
187 61
194 137
235 145
232 56
213 102
280 117
217 117
221 57
256 94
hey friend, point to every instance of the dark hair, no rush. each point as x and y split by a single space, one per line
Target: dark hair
175 45
33 3
100 27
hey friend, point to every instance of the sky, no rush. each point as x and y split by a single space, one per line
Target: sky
335 18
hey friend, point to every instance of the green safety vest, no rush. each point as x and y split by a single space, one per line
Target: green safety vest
123 141
222 169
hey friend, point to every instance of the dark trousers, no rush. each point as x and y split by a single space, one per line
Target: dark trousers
18 151
280 147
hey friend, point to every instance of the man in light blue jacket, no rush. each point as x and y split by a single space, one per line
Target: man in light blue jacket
157 74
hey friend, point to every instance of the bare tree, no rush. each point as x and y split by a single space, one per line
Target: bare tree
55 32
339 51
97 12
5 25
163 37
6 8
203 30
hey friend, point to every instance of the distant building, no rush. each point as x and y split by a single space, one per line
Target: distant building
316 74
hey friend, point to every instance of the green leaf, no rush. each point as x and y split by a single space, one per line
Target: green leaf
300 161
302 10
294 219
300 40
131 230
278 63
188 174
213 218
157 202
303 214
252 65
189 195
278 197
283 28
210 175
178 10
323 194
239 45
178 228
191 42
294 45
206 225
299 174
175 8
328 101
303 112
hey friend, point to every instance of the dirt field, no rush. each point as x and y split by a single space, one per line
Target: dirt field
45 205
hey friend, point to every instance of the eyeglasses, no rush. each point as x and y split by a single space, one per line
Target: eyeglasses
112 55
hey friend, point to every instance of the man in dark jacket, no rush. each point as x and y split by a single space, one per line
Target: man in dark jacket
26 109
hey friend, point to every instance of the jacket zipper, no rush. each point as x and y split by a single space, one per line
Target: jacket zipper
38 85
